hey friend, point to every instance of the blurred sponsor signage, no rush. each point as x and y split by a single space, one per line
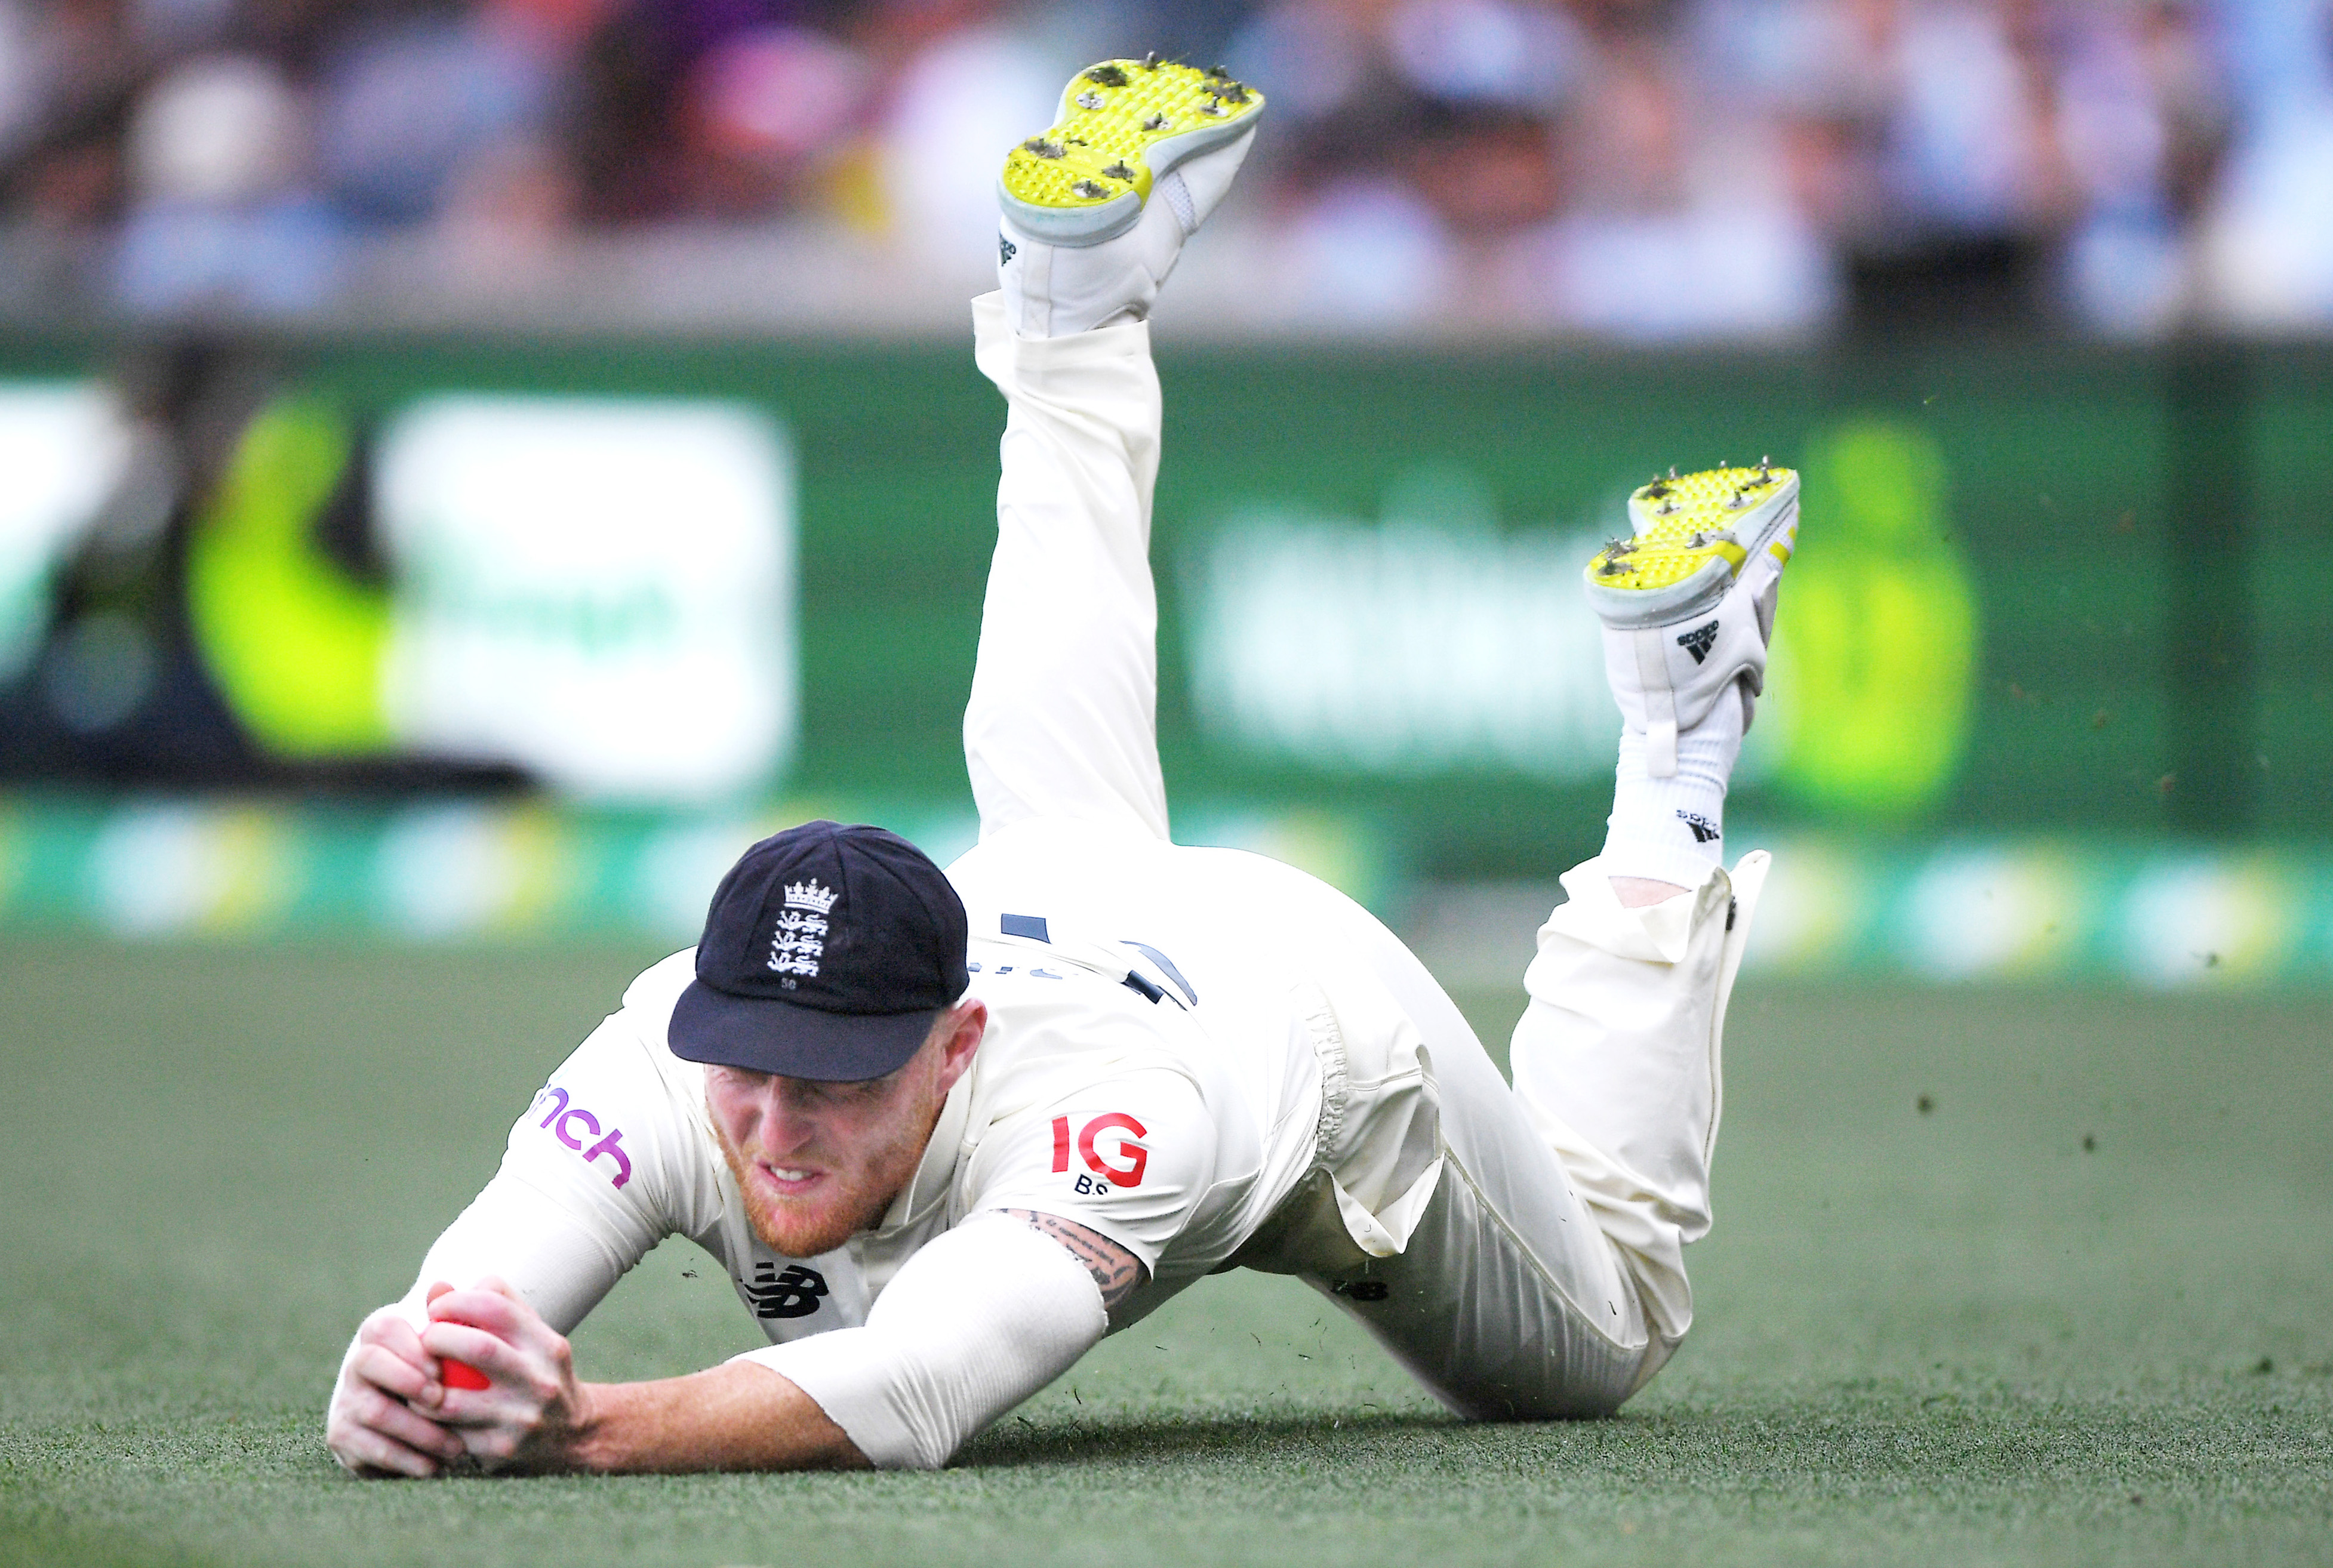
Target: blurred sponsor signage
1971 639
62 449
2160 914
1876 647
2168 915
436 869
1406 647
600 591
1433 641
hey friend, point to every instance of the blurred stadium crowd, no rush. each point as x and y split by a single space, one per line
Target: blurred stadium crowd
1647 170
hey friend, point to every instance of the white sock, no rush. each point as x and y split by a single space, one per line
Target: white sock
1671 830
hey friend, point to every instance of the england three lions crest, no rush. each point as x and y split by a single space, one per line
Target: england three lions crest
799 943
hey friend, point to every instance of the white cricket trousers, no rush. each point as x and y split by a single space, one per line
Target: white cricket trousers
1546 1276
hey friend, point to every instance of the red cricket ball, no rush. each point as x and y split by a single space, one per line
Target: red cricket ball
461 1375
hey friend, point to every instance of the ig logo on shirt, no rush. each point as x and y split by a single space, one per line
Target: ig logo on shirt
1119 1165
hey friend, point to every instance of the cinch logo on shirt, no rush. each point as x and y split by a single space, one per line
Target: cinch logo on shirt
562 1118
1134 1155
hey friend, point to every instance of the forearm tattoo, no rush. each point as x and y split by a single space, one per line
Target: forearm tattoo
1115 1269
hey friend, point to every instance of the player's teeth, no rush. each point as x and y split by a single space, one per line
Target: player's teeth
785 1175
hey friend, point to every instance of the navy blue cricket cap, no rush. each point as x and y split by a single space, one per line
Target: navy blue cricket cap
827 953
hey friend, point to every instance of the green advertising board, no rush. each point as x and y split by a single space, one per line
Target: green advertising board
2040 588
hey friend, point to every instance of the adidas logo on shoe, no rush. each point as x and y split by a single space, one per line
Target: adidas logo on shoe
1688 599
1699 640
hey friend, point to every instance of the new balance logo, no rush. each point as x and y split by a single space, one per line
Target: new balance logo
1005 250
1704 831
1699 640
795 1293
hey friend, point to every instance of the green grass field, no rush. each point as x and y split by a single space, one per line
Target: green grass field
2079 1310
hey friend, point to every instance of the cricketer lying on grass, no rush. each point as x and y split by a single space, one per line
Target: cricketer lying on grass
945 1131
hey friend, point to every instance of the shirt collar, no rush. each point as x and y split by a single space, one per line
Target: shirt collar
935 1172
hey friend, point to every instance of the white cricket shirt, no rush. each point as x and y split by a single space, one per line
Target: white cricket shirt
1175 1042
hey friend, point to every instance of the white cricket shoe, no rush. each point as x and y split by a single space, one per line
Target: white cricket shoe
1688 602
1096 208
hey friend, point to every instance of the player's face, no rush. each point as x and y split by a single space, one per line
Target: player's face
818 1162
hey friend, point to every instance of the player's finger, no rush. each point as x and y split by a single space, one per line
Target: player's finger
507 1317
367 1452
391 1418
376 1365
495 1284
389 1330
387 1338
502 1363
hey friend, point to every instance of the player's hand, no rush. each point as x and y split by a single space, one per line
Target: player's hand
534 1414
382 1418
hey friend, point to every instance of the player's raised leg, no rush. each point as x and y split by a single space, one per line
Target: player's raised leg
1546 1276
1617 1059
1062 717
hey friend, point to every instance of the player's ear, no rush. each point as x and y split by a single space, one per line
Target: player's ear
960 1029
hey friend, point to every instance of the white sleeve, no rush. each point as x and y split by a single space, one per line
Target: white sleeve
976 1322
563 1263
1129 1158
597 1171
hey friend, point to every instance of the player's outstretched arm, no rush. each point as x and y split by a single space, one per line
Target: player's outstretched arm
952 1342
536 1416
1116 1273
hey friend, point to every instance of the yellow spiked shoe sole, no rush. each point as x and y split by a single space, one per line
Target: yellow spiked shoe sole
1123 125
1693 534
